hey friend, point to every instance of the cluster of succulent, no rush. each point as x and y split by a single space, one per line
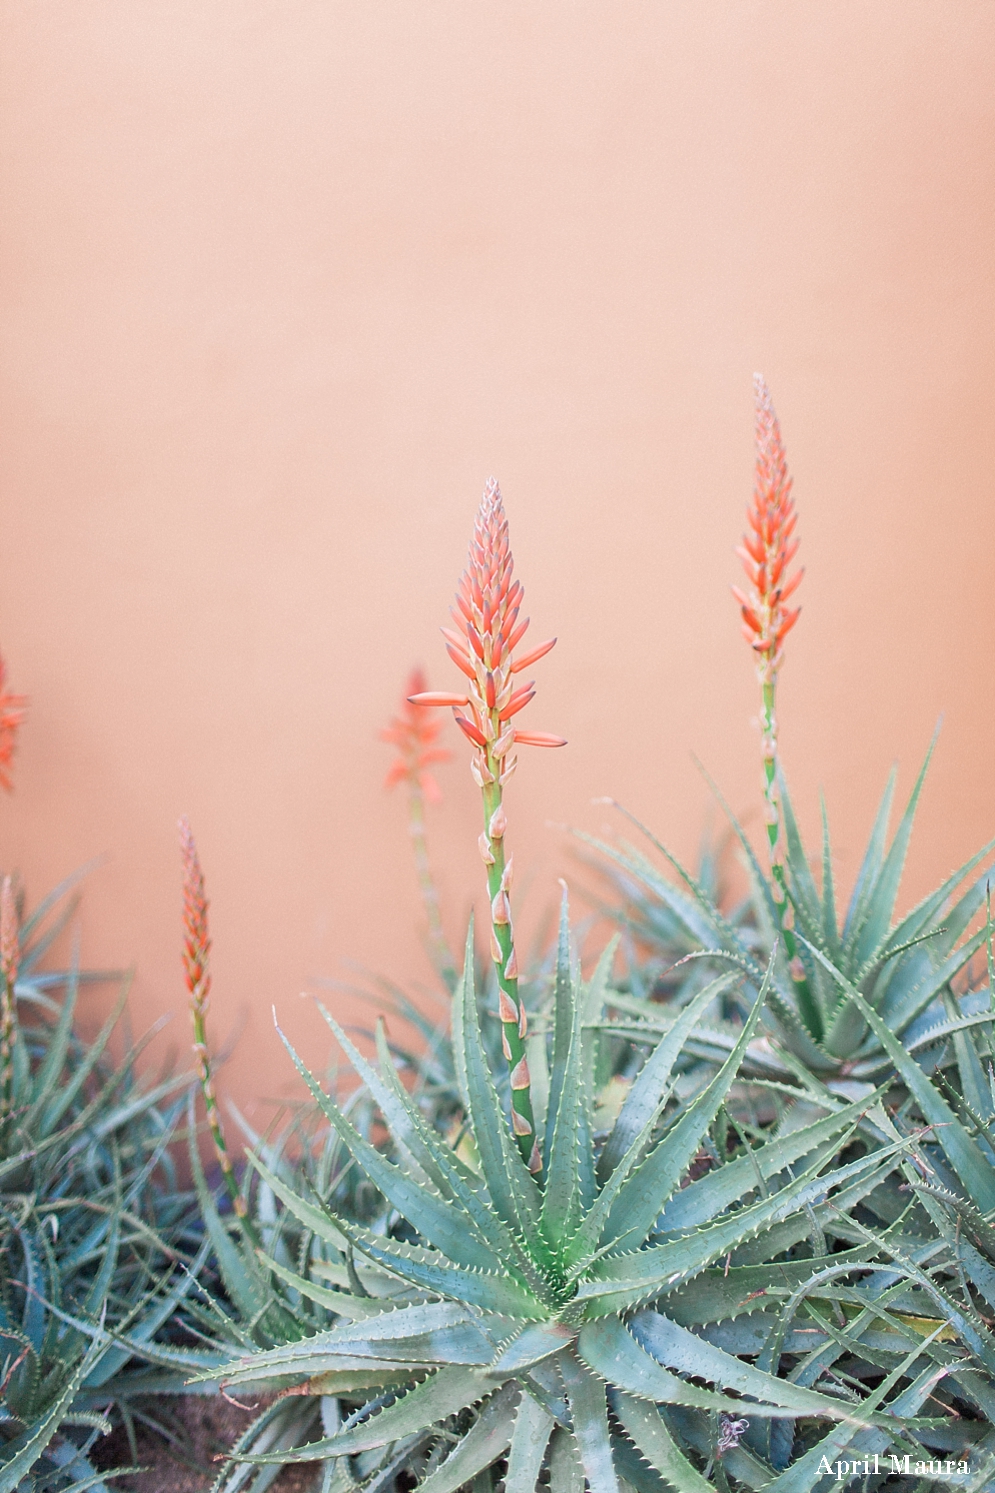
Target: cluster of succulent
721 1215
723 1218
95 1227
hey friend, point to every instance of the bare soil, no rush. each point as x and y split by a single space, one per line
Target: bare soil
202 1428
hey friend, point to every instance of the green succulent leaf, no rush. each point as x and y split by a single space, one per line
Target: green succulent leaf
589 1412
444 1393
647 1430
488 1438
529 1440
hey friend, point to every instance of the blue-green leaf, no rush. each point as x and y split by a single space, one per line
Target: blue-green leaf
647 1430
570 1160
484 1443
589 1413
446 1227
646 1189
529 1439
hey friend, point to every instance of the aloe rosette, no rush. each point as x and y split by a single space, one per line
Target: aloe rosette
561 1318
94 1224
913 970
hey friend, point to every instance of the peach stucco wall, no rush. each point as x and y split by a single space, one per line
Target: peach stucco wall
283 281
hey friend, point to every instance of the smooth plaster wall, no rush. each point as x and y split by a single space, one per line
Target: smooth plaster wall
283 281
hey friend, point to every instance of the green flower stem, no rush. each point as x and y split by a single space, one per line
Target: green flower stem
504 943
201 1052
6 1048
775 844
441 955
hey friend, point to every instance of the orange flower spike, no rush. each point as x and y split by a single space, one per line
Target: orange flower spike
415 734
13 712
766 553
488 630
197 971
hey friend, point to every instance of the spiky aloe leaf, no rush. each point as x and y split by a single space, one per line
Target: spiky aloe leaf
648 1432
651 1088
484 1443
586 1395
610 1349
633 1206
529 1440
425 1208
442 1394
569 1158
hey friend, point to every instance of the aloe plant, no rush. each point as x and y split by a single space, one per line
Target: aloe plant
905 970
556 1318
94 1224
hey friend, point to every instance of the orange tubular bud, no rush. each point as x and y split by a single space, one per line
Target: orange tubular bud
461 661
792 585
528 659
518 702
539 739
516 637
437 697
788 623
12 716
471 731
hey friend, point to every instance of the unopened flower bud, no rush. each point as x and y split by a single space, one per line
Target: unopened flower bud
507 1009
520 1074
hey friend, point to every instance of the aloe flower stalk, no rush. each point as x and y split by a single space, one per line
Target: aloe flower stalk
415 735
486 613
12 715
196 968
9 959
767 552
